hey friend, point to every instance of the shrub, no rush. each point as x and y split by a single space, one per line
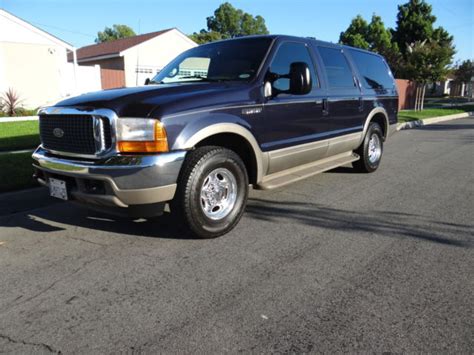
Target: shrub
10 102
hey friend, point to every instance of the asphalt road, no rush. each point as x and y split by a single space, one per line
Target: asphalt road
339 262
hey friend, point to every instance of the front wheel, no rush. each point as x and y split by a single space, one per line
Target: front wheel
371 150
212 191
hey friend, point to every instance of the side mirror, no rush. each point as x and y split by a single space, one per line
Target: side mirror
300 79
147 81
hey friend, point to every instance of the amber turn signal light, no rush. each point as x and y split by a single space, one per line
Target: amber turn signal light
159 144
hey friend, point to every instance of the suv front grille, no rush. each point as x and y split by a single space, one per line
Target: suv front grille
73 134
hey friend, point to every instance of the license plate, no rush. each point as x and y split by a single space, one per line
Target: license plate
57 188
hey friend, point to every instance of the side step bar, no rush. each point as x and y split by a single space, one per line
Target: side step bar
301 172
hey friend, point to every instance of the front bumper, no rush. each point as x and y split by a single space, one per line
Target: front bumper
119 181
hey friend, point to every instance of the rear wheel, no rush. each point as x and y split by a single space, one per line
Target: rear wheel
212 191
371 150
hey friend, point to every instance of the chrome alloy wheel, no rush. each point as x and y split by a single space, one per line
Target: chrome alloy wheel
375 149
218 193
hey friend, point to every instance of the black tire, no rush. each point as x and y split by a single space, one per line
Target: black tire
188 202
370 161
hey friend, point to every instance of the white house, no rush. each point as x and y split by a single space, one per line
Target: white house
34 64
130 61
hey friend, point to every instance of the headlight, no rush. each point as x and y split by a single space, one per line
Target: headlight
141 135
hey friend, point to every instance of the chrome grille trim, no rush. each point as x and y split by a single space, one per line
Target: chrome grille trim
99 133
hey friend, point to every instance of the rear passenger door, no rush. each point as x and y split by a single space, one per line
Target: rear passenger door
345 108
378 84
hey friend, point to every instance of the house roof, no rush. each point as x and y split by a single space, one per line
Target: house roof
9 16
115 47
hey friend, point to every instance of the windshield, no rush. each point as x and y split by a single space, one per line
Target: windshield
236 60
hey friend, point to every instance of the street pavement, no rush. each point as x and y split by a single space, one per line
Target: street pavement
340 262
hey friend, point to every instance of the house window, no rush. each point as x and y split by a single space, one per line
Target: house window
143 70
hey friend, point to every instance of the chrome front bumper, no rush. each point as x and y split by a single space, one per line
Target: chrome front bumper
126 180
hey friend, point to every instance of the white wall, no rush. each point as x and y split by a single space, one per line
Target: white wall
33 71
34 64
41 75
153 55
15 30
87 77
3 79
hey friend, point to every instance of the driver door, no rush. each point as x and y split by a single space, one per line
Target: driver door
292 120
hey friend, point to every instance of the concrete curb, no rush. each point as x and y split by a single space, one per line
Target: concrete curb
17 151
433 120
18 119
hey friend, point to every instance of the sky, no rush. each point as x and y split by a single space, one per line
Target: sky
77 22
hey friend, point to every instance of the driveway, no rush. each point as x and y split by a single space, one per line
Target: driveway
339 262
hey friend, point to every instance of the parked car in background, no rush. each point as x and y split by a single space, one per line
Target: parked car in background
264 111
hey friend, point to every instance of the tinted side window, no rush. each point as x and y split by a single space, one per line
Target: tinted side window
374 72
286 54
338 71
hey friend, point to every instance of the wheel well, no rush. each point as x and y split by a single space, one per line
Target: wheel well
240 146
380 119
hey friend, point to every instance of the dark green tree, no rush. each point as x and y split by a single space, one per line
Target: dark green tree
372 36
415 23
250 25
415 49
464 71
381 41
116 32
205 36
426 61
229 22
357 34
426 51
226 20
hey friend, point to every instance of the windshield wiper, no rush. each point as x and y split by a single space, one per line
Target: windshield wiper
203 78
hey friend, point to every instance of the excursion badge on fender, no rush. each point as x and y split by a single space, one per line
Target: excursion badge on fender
251 111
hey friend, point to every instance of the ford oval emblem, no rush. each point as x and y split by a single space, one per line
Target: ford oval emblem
58 132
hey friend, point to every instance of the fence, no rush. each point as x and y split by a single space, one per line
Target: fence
112 78
86 79
406 94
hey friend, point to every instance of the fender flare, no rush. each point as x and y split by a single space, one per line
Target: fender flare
227 127
375 111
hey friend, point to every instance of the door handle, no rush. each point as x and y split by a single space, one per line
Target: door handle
325 107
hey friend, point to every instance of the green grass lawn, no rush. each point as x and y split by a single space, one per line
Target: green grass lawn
16 171
19 135
411 115
20 113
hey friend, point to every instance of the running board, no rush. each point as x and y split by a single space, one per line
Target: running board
301 172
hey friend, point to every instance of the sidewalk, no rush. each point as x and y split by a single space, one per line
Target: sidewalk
18 119
432 120
17 151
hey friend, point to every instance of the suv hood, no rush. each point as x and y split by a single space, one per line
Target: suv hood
144 101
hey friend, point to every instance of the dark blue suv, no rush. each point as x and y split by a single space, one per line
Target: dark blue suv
263 111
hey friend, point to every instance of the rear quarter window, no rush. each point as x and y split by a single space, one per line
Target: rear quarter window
375 74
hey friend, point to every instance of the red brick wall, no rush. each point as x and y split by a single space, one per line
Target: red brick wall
406 94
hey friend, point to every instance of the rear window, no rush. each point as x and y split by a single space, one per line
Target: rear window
375 73
338 71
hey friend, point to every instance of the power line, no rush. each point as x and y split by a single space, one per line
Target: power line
63 29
